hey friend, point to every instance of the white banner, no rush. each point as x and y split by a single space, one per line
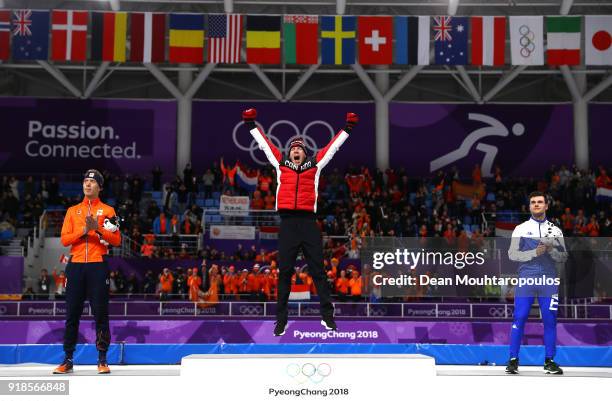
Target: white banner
234 205
232 232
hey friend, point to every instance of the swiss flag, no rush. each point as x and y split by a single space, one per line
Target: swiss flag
488 40
375 40
69 35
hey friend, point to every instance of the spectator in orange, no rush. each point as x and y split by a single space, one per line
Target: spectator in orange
148 248
257 203
355 286
270 201
567 221
166 280
253 283
592 229
342 286
423 231
60 284
267 284
264 182
229 175
243 286
175 225
230 281
194 282
211 297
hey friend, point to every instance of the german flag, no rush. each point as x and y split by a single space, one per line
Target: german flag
187 38
263 39
109 33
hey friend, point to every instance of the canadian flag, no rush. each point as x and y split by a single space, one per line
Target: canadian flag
63 259
488 40
69 35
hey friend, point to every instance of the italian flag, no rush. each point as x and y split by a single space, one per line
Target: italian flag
563 40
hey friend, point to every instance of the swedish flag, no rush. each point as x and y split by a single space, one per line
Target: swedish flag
338 39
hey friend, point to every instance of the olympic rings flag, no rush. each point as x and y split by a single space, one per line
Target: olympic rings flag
218 131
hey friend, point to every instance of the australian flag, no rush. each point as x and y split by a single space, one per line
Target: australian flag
450 40
30 35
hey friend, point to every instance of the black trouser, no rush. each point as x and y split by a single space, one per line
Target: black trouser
87 281
300 231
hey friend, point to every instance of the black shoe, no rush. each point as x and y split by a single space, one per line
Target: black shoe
551 367
329 324
280 328
512 368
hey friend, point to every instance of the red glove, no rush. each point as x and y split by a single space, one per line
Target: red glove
249 115
351 120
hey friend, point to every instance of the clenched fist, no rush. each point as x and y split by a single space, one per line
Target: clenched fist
249 115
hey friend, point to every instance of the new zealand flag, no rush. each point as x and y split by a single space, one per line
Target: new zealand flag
30 35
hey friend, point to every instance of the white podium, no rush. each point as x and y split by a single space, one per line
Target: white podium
308 376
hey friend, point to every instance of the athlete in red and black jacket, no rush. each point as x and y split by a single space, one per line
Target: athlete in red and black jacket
297 177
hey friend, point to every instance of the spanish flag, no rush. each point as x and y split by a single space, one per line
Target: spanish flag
109 35
187 38
263 39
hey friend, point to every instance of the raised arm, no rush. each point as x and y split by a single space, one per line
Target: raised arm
325 155
272 152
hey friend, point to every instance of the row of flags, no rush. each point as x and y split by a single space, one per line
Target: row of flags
335 39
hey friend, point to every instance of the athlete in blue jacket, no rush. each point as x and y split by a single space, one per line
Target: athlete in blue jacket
538 246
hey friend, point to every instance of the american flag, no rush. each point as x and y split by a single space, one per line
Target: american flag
225 37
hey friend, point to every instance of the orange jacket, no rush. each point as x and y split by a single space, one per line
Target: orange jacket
87 247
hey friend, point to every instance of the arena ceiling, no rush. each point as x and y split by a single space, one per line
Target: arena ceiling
318 83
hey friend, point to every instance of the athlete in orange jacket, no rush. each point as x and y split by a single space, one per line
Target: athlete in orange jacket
89 228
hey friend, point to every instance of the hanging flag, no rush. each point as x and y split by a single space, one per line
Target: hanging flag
563 40
488 40
186 38
69 35
30 35
338 39
263 39
598 40
224 38
412 40
147 34
450 40
5 34
108 36
301 38
375 40
527 40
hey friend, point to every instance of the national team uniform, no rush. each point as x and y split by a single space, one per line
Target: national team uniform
525 239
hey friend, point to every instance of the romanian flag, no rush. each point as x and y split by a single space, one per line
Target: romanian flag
187 38
108 40
338 40
263 39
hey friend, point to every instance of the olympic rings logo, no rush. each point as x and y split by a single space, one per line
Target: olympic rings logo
251 310
526 41
311 144
496 312
308 372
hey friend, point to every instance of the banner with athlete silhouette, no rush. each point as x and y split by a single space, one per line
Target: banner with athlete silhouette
523 140
218 131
